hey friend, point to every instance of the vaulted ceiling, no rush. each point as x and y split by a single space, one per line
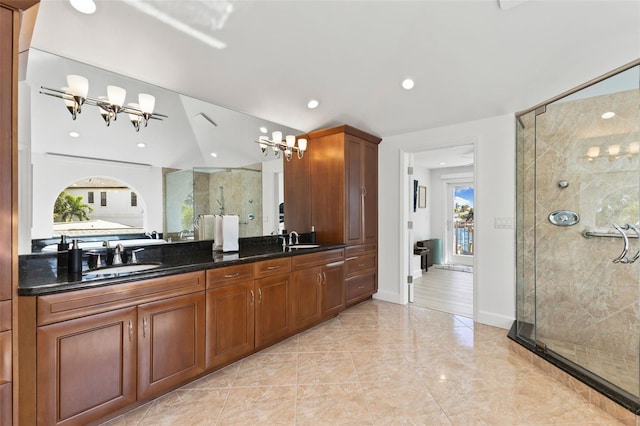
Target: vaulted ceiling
469 59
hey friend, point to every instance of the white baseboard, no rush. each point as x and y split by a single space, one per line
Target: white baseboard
495 320
387 296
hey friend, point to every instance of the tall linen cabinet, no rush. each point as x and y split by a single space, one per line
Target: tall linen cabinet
334 188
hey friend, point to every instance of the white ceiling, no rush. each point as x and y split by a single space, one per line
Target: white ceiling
470 59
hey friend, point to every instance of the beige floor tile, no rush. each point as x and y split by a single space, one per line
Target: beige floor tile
270 405
267 369
326 367
378 364
332 404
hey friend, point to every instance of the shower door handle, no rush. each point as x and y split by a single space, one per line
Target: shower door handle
637 255
621 258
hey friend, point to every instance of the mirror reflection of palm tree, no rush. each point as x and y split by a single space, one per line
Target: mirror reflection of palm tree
67 207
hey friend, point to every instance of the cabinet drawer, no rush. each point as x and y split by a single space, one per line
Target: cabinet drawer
229 275
271 267
354 251
316 259
355 265
79 303
360 286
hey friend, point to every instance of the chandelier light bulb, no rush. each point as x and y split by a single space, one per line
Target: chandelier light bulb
147 102
78 85
291 141
302 144
116 95
276 136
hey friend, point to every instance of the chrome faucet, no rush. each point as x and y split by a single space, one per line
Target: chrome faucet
134 259
291 234
117 257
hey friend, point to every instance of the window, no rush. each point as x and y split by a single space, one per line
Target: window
90 197
103 199
134 199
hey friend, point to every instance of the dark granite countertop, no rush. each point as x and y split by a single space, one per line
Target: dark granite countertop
39 273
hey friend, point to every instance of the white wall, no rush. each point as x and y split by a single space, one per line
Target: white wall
51 175
422 217
494 272
272 191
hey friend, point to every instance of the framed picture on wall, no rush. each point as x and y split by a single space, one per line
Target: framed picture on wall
422 197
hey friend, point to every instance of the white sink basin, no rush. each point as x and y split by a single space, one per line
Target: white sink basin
304 246
122 269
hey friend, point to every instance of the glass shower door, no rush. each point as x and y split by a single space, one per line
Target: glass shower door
587 213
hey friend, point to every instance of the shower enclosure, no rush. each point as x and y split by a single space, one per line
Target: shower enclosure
578 220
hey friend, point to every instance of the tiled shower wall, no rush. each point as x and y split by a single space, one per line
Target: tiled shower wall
568 282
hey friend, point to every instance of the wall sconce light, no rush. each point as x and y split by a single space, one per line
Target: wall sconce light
77 94
278 146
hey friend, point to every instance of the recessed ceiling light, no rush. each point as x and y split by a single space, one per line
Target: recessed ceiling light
313 104
263 129
407 84
214 155
607 115
141 144
442 163
84 6
74 134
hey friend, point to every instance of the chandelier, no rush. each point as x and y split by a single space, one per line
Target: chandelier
286 146
76 95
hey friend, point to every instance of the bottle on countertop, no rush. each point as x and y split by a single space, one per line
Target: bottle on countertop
63 255
313 234
75 258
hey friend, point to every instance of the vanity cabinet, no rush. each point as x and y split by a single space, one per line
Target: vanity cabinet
361 272
101 349
86 367
337 185
230 314
317 287
273 298
243 313
171 342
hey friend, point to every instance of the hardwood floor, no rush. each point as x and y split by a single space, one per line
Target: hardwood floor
445 290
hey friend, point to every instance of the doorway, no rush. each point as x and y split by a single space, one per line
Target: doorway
446 219
460 224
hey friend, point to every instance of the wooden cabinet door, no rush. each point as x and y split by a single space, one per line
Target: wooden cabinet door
171 336
306 293
370 184
86 367
230 323
333 289
272 320
355 190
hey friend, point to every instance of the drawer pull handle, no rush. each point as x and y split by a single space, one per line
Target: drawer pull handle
272 267
324 275
130 330
144 327
360 265
252 297
259 295
361 286
237 274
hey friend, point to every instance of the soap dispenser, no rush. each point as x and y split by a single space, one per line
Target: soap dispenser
75 258
63 247
313 234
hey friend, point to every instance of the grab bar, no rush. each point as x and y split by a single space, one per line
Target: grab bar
622 258
591 234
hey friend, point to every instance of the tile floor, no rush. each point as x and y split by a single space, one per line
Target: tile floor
377 364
